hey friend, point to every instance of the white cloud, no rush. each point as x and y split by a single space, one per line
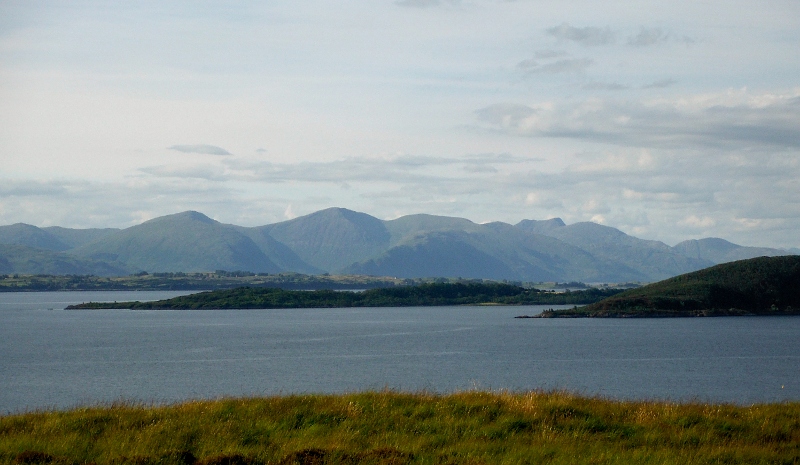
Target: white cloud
576 65
200 148
693 221
647 37
729 120
605 86
588 36
660 84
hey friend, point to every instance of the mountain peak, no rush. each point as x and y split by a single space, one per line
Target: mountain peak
189 215
541 226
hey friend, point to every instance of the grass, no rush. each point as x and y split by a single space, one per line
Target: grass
415 428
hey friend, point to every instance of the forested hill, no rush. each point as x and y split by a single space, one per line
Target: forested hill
435 294
758 286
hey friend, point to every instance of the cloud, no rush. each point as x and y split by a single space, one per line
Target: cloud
647 37
505 114
207 172
423 3
82 204
734 120
571 65
605 86
392 170
19 188
661 84
587 36
200 148
545 54
673 196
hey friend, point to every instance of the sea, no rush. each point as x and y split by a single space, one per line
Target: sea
51 358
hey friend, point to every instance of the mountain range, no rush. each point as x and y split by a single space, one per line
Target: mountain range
341 241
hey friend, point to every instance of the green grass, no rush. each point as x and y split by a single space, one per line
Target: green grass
399 428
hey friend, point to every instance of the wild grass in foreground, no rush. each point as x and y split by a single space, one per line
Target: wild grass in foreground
398 428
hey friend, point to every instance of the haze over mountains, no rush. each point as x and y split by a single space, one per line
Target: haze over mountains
342 241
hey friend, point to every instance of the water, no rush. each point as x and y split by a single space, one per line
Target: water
60 359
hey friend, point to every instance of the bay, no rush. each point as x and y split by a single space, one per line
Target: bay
52 358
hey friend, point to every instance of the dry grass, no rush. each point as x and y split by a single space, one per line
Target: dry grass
399 428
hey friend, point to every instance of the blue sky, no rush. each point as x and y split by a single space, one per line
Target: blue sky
668 120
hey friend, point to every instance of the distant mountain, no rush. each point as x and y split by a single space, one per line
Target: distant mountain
718 250
445 253
761 286
31 236
426 245
338 240
28 260
188 241
78 237
53 238
277 252
541 226
332 239
652 260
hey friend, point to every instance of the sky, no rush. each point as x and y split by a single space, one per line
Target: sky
668 120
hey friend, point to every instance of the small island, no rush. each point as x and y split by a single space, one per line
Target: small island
758 286
431 294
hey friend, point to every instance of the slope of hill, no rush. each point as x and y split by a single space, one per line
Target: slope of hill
78 237
188 241
331 239
718 250
653 260
445 253
277 252
757 286
434 246
31 236
28 260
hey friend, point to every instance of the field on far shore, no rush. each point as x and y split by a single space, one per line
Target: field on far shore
390 427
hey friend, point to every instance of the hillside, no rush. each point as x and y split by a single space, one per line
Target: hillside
653 259
31 236
331 239
187 242
757 286
718 250
29 260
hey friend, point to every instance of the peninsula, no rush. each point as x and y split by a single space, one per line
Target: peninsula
432 294
758 286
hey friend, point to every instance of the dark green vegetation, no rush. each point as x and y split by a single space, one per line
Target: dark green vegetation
341 241
432 294
191 281
758 286
395 428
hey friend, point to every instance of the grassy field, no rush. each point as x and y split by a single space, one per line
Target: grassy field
398 428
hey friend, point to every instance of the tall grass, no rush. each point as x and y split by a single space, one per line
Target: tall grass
399 428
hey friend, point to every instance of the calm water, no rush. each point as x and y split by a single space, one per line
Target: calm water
57 358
